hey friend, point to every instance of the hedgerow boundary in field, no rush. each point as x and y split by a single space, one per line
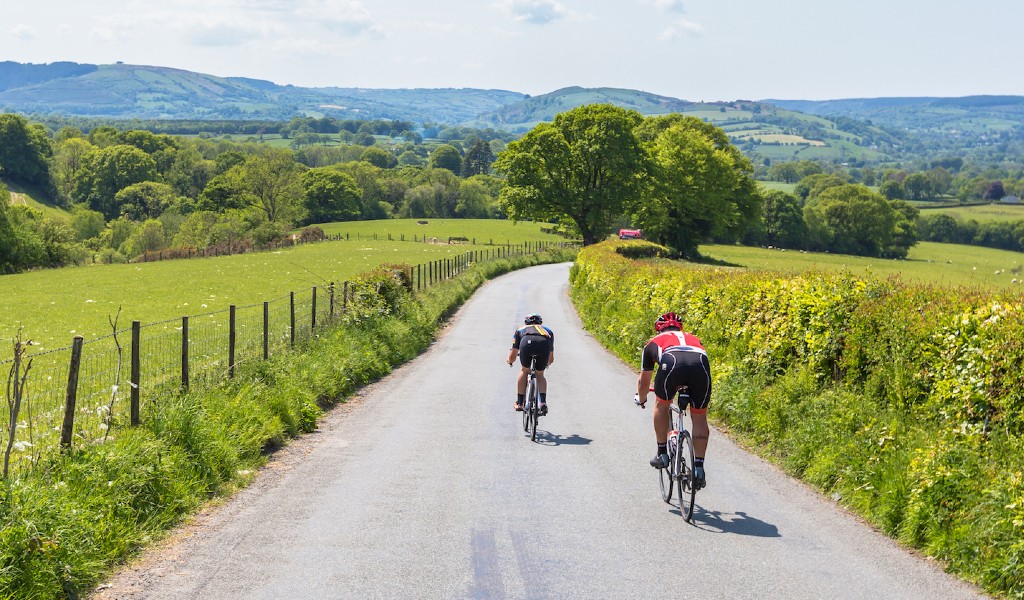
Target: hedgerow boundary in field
77 514
71 395
903 402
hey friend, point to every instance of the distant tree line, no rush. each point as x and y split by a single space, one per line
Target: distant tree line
129 191
681 181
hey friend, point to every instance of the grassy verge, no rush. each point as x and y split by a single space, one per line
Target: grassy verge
70 520
902 401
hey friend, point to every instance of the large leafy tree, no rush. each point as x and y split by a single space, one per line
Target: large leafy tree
273 180
478 160
782 222
448 157
701 186
852 219
582 168
113 169
24 150
330 195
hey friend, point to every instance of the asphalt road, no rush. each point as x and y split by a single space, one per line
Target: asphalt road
425 486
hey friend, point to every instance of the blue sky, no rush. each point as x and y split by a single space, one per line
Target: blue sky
690 49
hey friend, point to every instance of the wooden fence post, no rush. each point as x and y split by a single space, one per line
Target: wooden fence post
71 398
232 338
291 301
266 330
136 378
330 296
344 298
184 352
312 320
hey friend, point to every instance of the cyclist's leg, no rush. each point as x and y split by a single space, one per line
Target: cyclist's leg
662 408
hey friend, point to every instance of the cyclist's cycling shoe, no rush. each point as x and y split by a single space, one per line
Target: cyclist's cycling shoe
660 461
519 407
543 409
699 481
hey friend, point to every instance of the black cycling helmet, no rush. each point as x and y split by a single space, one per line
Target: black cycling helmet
669 319
533 319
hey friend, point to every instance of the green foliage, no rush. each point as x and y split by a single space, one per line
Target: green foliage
903 401
583 167
639 249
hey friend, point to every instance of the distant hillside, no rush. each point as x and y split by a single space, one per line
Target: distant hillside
14 75
975 114
530 111
147 92
985 128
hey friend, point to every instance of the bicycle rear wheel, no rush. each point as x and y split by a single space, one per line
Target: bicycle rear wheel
526 408
534 413
684 475
666 479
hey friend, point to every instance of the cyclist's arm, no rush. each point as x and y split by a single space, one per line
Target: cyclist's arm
643 383
512 355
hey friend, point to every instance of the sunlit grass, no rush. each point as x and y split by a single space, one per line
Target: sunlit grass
51 306
928 262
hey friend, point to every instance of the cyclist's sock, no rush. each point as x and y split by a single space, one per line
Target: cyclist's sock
663 448
698 462
520 398
543 397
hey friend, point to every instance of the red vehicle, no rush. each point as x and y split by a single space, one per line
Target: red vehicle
630 234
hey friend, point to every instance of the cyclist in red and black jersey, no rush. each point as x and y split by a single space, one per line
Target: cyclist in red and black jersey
681 362
532 341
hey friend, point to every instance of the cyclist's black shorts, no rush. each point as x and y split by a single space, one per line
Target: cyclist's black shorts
531 346
677 369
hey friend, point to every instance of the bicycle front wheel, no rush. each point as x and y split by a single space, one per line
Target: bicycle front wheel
684 473
526 409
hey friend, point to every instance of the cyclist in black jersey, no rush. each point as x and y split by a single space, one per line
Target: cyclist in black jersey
533 341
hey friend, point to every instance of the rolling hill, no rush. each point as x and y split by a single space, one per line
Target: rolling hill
852 130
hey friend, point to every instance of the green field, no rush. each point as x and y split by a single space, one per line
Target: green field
928 262
789 188
484 231
983 213
52 306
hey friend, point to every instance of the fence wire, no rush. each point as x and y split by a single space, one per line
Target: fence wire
168 360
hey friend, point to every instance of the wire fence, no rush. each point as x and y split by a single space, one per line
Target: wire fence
74 395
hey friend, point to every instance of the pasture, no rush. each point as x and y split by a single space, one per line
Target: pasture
484 231
51 306
982 213
928 262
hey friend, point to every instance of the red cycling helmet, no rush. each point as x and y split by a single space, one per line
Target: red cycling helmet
669 319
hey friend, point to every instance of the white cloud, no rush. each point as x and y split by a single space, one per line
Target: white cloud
539 12
22 32
679 28
670 5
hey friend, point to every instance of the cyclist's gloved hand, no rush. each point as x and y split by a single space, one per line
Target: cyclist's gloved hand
641 403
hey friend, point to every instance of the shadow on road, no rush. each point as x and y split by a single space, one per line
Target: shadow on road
553 439
739 523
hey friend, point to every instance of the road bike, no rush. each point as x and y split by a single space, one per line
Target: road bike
679 472
531 411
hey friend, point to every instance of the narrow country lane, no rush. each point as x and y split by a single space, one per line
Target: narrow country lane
425 486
